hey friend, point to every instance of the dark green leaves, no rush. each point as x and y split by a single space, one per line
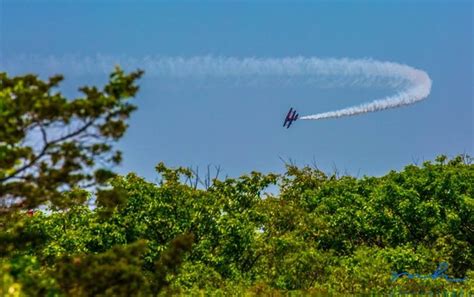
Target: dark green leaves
50 144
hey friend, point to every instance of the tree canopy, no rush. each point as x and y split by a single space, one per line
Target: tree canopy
51 147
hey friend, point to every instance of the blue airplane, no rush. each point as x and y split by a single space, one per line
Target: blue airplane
290 118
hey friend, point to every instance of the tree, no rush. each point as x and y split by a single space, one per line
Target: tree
319 235
51 147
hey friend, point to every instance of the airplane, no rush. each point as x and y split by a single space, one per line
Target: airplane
290 118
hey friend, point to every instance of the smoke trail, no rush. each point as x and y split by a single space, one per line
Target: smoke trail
411 85
419 87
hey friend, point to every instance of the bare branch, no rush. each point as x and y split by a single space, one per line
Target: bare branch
43 134
45 149
218 171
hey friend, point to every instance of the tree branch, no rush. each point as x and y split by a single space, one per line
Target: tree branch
45 149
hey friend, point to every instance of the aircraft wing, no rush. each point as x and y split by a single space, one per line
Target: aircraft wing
288 117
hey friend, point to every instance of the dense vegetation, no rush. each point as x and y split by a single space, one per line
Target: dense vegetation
318 234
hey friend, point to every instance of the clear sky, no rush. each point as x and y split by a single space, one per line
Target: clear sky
239 127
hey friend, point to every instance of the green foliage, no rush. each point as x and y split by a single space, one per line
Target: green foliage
170 260
320 235
8 286
116 272
73 136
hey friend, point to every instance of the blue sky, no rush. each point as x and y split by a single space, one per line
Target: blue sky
239 127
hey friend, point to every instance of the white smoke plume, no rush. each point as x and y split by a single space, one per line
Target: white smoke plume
411 85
